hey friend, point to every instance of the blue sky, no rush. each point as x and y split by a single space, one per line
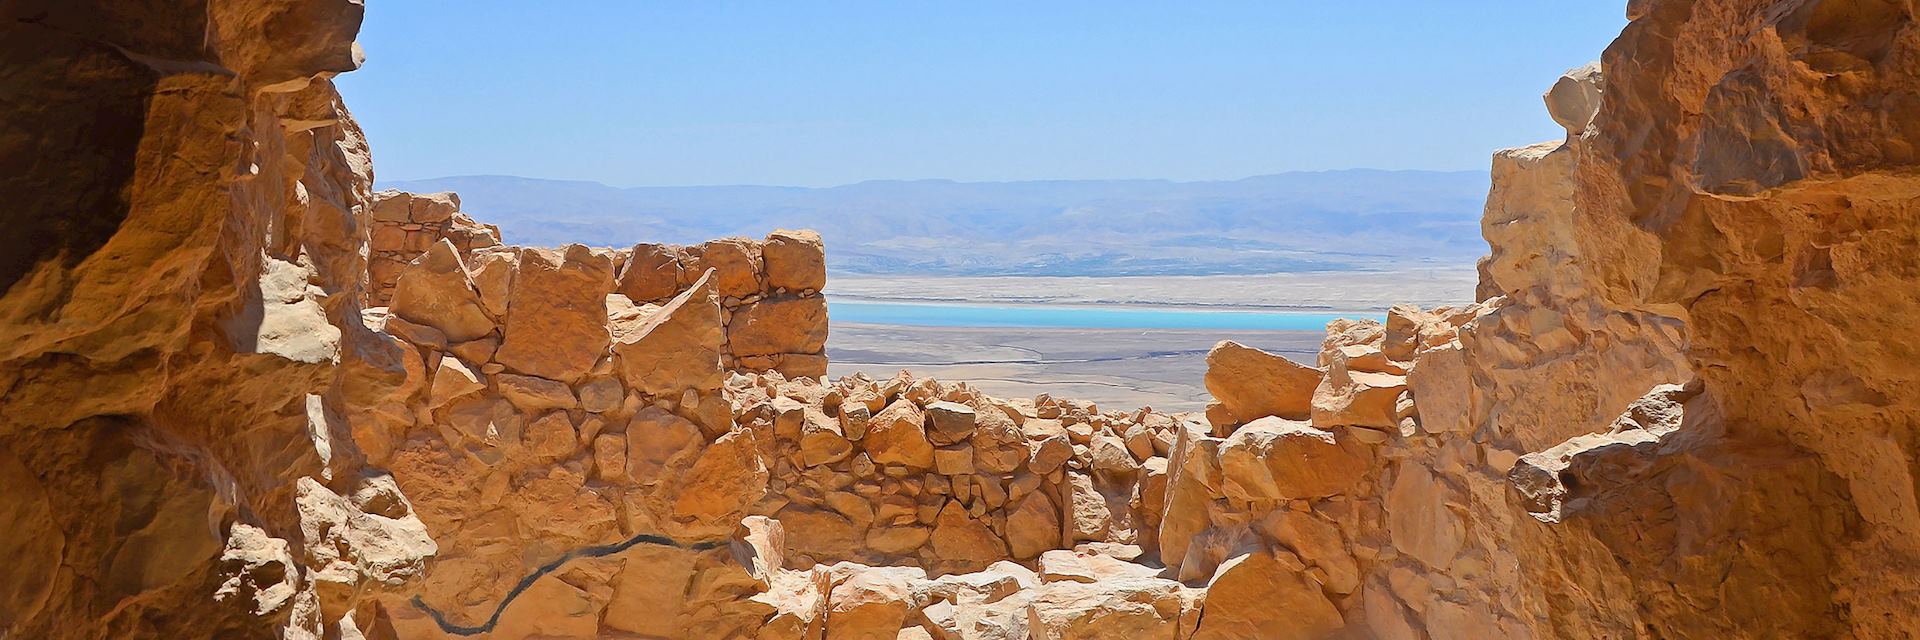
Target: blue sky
823 93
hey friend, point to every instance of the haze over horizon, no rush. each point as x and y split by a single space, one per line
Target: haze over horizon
835 94
1353 220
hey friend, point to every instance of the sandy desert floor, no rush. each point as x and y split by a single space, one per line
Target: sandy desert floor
1331 290
1120 369
1117 368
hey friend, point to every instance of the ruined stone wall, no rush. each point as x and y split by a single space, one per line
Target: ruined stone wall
769 293
771 285
404 225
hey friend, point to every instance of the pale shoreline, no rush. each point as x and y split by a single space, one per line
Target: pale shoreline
1325 291
1121 369
1117 368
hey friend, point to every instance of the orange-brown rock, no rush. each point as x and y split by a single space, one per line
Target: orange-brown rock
779 325
1251 384
436 291
795 260
898 435
675 347
1681 408
1271 458
734 261
1256 596
651 272
556 324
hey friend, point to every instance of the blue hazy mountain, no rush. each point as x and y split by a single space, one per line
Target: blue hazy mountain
1300 221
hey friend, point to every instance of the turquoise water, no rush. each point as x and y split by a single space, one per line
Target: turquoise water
1075 317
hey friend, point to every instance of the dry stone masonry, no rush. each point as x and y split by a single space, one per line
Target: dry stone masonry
244 396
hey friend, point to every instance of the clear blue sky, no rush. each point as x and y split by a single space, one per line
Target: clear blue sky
820 93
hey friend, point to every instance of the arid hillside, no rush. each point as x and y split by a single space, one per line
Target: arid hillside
243 395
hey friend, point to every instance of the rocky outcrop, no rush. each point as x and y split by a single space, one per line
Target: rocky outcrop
182 292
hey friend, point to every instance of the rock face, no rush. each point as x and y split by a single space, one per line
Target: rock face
248 397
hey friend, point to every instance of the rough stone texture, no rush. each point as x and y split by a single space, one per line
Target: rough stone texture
672 347
1252 384
651 272
404 225
436 291
556 324
1682 408
795 261
778 326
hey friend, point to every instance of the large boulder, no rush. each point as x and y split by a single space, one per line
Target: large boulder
1351 397
652 272
1120 608
1253 384
1275 459
898 435
779 325
796 260
436 291
960 540
729 477
734 261
1256 597
676 347
557 313
1421 523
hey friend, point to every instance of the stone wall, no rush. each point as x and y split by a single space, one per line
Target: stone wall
769 290
403 225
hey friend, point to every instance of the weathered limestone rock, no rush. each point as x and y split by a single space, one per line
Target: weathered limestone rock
661 446
951 421
897 435
728 477
1088 517
1575 99
1736 208
778 326
960 540
436 291
1120 608
556 325
1033 526
1422 524
534 394
675 348
821 440
652 272
1271 458
1348 397
735 262
872 602
795 260
1252 384
452 380
1442 390
1256 596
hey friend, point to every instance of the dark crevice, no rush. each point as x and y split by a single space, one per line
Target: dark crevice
595 551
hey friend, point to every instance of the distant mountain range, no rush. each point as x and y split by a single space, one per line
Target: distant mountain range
1359 219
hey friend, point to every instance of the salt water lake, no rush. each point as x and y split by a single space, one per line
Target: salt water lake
959 314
